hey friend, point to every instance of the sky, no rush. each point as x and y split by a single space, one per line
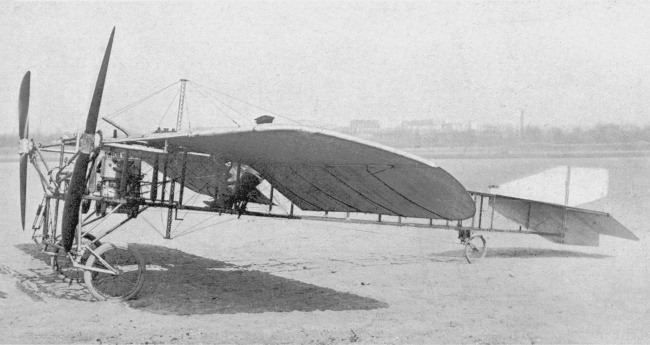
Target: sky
564 63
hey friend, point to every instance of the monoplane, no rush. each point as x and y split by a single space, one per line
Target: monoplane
320 172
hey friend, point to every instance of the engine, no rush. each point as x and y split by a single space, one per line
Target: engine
120 182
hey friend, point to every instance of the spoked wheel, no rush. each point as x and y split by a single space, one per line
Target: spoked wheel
125 284
475 248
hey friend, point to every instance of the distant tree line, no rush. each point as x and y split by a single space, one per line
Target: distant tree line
599 134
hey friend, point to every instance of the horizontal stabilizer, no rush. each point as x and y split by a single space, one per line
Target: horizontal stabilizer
558 223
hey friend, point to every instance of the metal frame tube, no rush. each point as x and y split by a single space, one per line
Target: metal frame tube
474 216
105 217
164 180
125 173
494 204
44 181
168 230
40 155
480 213
107 232
182 186
153 193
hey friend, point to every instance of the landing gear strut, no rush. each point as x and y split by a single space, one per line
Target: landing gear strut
475 246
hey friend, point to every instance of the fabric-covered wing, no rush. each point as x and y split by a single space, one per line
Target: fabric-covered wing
583 227
393 190
326 171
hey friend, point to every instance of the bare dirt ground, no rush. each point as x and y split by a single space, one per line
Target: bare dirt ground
275 281
258 280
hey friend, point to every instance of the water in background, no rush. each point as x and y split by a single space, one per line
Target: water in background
628 197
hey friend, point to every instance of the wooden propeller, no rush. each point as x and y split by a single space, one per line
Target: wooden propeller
77 185
23 134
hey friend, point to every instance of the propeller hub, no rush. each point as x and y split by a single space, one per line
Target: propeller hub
86 143
25 146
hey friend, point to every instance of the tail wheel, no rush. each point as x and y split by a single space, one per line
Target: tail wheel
475 248
125 284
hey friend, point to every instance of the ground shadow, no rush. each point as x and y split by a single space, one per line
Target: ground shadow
180 283
41 281
34 251
522 252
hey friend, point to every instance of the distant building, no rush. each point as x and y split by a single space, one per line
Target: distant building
357 126
318 124
422 125
453 126
496 127
473 126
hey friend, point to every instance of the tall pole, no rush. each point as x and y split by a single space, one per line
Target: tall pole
521 123
567 185
181 102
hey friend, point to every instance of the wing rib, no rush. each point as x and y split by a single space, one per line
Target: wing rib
322 191
400 194
359 193
282 188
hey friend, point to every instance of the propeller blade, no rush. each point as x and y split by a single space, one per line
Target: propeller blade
23 186
93 112
77 185
23 107
23 133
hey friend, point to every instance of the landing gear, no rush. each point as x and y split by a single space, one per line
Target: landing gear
114 273
240 207
110 272
64 267
475 246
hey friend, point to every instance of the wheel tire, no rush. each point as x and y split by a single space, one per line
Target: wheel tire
475 248
121 287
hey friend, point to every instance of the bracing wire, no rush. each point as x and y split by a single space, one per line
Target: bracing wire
276 199
205 95
218 107
209 94
245 102
194 228
139 101
169 107
191 200
151 225
224 103
146 173
207 226
280 204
